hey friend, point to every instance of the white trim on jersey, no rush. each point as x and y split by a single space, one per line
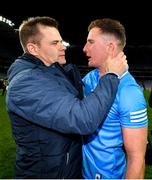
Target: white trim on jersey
138 116
138 112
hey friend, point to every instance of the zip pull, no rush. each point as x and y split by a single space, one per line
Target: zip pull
67 158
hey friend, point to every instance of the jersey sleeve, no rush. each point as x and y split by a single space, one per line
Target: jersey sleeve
132 107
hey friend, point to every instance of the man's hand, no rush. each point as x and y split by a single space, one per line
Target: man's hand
117 64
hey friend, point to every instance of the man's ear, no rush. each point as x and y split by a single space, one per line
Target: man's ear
32 48
111 48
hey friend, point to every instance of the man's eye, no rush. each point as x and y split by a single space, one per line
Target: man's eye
91 42
54 43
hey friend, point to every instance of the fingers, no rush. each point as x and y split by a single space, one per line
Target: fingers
124 60
117 64
122 57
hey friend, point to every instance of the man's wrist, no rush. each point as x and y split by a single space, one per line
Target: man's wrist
119 76
113 73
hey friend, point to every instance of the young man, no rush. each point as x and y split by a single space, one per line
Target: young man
125 127
46 105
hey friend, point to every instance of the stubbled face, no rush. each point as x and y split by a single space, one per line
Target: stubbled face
96 48
51 48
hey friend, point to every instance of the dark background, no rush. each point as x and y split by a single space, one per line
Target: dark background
74 27
74 18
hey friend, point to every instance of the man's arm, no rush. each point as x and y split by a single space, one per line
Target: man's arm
55 107
134 121
135 141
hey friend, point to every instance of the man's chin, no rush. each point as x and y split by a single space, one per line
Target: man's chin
90 64
62 62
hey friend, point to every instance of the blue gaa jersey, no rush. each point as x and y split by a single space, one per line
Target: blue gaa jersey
103 154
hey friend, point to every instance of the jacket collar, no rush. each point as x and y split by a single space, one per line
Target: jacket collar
32 59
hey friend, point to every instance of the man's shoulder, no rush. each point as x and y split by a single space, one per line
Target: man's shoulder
127 79
92 73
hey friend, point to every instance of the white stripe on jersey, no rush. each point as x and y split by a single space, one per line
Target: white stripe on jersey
138 116
138 112
139 120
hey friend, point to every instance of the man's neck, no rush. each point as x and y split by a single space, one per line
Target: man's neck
102 71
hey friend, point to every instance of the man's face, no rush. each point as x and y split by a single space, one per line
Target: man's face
51 48
96 48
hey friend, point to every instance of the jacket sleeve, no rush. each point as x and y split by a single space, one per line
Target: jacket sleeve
56 108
